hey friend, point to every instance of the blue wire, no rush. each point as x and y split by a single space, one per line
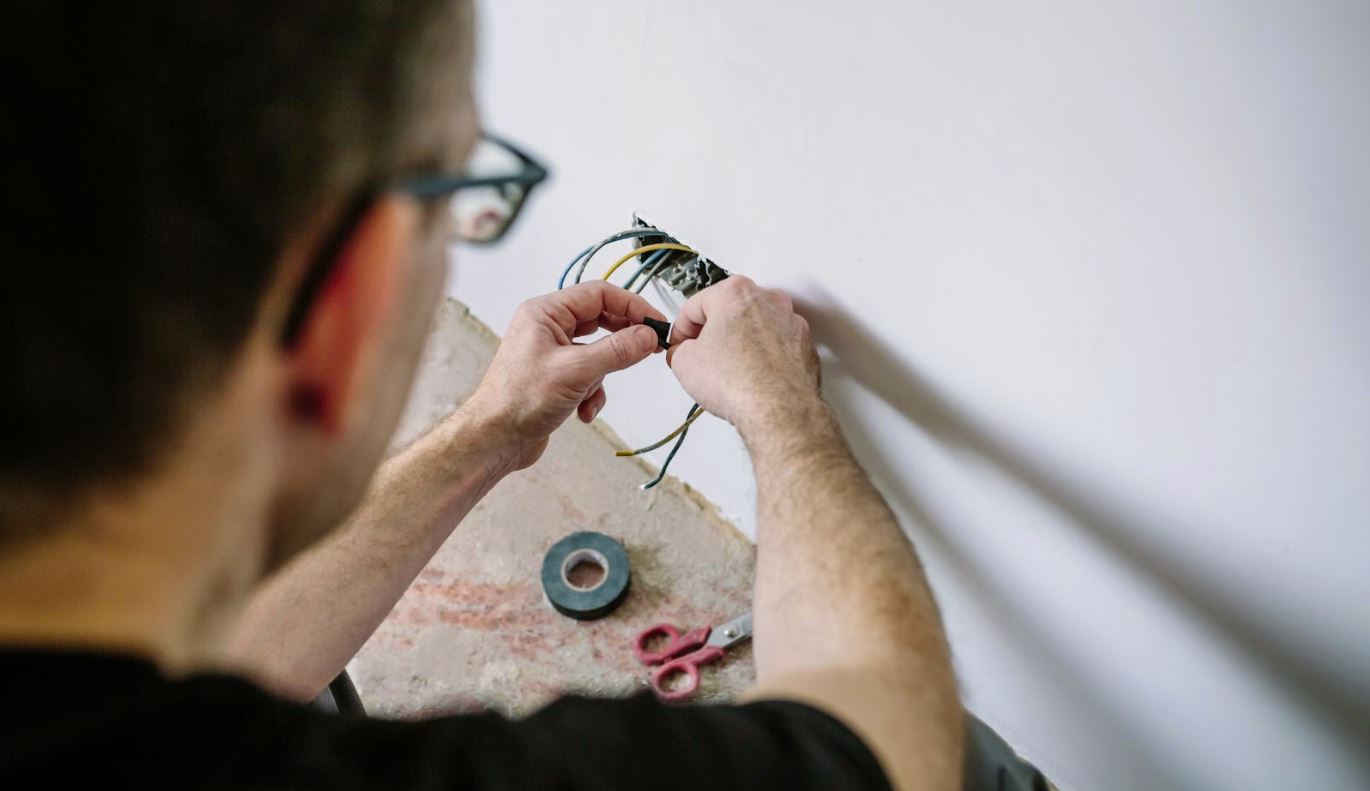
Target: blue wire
643 285
586 255
561 283
651 259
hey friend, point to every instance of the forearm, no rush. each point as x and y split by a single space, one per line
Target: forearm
304 623
844 616
835 573
844 619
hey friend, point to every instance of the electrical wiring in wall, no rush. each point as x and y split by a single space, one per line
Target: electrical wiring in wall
656 268
671 263
668 298
646 249
583 258
647 263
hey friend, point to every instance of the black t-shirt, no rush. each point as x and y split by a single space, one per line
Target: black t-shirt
71 717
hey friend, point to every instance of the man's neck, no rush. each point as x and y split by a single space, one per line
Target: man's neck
159 572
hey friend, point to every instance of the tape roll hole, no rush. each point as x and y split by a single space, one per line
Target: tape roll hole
584 569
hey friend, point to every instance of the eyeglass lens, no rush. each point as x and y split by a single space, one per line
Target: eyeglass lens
483 214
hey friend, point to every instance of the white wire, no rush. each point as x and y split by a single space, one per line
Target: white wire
667 297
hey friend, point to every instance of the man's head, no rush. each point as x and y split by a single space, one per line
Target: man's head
174 170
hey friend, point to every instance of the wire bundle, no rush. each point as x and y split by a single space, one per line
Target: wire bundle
651 266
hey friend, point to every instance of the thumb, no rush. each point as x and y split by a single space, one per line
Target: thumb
627 347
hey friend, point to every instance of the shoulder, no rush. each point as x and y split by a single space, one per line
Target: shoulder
635 742
215 731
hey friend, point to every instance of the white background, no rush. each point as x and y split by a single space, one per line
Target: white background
1092 278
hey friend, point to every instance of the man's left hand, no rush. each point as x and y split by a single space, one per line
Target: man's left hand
540 374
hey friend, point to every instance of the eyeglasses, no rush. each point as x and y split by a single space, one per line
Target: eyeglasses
487 197
485 200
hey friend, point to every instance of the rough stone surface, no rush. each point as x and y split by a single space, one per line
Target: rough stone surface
475 632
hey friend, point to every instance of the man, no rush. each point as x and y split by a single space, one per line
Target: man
218 280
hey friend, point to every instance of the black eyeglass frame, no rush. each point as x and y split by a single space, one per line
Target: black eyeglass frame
441 185
426 188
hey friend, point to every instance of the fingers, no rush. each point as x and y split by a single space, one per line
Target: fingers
593 403
623 349
690 321
585 307
741 306
604 322
734 292
678 351
696 310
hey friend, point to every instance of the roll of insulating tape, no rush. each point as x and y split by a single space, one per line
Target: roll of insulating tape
597 600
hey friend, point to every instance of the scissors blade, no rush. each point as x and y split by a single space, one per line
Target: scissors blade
731 633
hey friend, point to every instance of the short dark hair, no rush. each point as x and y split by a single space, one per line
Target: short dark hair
159 156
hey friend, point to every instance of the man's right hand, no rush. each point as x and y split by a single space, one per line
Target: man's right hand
854 632
743 353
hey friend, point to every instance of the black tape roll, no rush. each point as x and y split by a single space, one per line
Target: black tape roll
592 603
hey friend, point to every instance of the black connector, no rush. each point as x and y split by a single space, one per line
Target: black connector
663 331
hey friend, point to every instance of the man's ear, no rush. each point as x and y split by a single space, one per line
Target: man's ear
343 326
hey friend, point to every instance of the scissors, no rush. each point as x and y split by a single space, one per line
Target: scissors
686 653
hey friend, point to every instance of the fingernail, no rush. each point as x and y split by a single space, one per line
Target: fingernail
594 413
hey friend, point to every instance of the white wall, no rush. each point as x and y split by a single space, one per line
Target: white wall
1093 281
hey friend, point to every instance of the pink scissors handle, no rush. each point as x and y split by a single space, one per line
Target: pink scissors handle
663 677
676 644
